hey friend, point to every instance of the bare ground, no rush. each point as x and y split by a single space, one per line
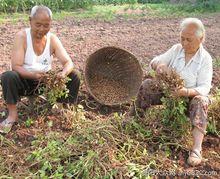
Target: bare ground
144 37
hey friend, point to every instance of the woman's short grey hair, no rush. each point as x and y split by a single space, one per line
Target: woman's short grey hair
35 9
200 32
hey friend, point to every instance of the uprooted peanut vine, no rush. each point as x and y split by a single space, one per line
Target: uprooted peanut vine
53 87
175 107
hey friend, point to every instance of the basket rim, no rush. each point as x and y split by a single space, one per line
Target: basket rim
87 83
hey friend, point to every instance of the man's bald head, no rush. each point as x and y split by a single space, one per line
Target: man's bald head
40 9
40 21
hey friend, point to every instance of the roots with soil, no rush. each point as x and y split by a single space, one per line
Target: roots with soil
53 87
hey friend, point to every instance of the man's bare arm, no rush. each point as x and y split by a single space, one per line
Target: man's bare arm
18 54
60 53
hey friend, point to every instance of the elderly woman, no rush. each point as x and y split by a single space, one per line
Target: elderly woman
194 64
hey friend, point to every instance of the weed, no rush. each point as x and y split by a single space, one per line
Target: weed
213 115
29 122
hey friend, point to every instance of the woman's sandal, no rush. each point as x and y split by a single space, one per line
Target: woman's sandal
195 158
5 126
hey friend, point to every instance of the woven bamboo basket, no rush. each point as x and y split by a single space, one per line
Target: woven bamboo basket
113 75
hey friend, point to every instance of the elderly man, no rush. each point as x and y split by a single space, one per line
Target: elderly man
194 64
32 54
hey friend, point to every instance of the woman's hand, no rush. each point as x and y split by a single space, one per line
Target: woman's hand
181 92
162 68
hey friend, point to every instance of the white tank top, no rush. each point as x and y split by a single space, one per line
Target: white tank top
35 63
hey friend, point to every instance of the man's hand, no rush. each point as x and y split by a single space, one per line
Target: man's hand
181 92
38 75
61 75
162 68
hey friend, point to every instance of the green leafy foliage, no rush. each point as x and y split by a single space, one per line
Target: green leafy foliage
174 114
10 6
103 2
197 6
82 154
152 1
55 5
29 122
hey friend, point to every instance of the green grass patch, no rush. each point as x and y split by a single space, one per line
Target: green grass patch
101 12
14 18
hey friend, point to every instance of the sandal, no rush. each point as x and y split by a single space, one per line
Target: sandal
195 158
5 126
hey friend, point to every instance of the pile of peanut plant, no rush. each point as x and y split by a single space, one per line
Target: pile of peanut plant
95 149
53 87
175 107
